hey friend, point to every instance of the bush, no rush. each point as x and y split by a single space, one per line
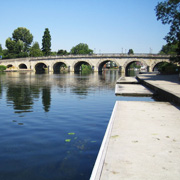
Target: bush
86 69
2 68
169 68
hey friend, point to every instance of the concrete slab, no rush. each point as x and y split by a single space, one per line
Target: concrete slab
127 80
132 90
142 141
166 85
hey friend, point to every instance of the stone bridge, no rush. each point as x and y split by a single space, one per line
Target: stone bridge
74 62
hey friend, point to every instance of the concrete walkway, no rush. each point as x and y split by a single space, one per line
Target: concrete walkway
142 140
129 86
127 80
132 90
166 85
143 143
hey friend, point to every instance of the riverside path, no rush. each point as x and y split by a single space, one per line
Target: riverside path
142 140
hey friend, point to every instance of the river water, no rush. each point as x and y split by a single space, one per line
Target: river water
52 125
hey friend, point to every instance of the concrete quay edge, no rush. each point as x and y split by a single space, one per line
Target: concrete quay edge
100 161
163 93
143 148
127 80
97 169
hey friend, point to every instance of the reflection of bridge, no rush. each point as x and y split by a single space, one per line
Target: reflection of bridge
73 63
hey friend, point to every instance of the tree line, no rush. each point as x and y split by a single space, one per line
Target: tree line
19 45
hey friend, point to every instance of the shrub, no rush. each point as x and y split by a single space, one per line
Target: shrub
169 68
2 68
86 69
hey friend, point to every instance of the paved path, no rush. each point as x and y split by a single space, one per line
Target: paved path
129 86
167 83
142 140
132 90
143 143
127 80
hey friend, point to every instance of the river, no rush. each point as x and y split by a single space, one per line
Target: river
52 125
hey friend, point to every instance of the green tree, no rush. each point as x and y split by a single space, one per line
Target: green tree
62 52
35 50
24 35
46 43
1 49
2 68
86 69
18 45
169 49
169 13
10 44
81 49
130 51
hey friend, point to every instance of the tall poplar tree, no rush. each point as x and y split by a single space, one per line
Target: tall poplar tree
46 42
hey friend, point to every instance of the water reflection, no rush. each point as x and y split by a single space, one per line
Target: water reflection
20 96
23 89
52 125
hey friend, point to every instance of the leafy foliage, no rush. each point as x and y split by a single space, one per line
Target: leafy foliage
2 68
130 51
86 69
81 49
35 50
46 42
168 68
169 13
1 48
18 45
24 35
169 49
62 52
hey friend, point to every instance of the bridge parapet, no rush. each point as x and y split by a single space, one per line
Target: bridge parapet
107 55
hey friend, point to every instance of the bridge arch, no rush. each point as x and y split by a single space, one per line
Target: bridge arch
102 64
9 66
41 67
22 66
155 64
58 66
129 62
78 64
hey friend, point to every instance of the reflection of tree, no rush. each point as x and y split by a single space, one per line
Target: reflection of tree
46 98
21 97
0 88
35 91
81 86
80 90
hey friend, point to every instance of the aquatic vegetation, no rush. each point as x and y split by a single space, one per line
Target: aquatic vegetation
68 140
71 133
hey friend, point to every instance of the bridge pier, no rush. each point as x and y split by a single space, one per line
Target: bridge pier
122 69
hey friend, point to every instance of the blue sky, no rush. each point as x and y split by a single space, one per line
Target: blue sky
107 26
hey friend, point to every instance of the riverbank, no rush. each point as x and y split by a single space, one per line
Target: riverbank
142 140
